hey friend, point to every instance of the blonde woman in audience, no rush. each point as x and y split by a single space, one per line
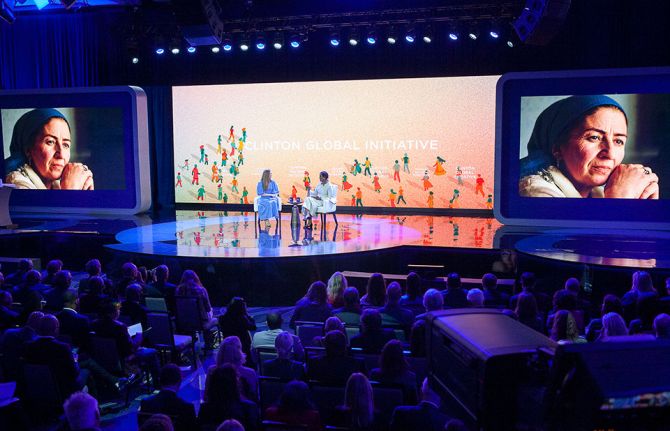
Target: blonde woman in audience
230 352
613 326
336 285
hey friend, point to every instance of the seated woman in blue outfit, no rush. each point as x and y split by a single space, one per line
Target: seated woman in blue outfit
268 204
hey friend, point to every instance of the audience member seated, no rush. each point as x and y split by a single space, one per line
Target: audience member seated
13 342
267 338
223 400
46 350
81 412
94 269
493 297
563 300
107 326
32 282
358 411
393 368
129 275
230 352
337 283
375 296
332 324
432 301
527 312
16 277
646 309
573 286
295 408
157 422
56 296
611 304
662 326
426 416
53 266
162 288
313 307
72 324
413 298
190 285
528 282
335 365
565 329
237 322
665 299
475 298
613 326
168 402
283 366
455 296
350 313
8 317
32 303
392 313
372 337
230 425
642 288
93 301
131 307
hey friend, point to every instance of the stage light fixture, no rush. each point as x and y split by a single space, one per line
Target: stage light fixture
227 44
353 37
135 60
244 43
510 44
175 50
335 38
454 34
294 40
410 35
391 36
216 49
175 46
494 31
473 33
160 51
278 42
260 42
372 37
191 49
428 34
6 13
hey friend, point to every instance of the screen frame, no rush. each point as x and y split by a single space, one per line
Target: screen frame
511 208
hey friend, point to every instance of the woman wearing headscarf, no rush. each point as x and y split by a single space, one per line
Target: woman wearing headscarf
40 154
576 149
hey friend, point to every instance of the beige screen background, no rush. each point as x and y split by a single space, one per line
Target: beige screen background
313 126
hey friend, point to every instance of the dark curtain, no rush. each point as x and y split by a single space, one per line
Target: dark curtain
159 104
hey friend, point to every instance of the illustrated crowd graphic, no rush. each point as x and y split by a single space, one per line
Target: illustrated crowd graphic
195 173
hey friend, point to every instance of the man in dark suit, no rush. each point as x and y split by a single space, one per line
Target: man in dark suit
13 343
56 296
46 350
8 317
455 296
493 297
373 337
528 282
74 325
392 313
283 366
426 416
162 288
335 366
168 402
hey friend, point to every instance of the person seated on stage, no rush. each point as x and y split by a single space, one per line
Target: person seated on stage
224 400
283 366
493 296
268 207
162 288
611 304
8 317
565 329
350 314
267 338
313 307
413 299
131 306
94 269
295 407
81 412
335 365
425 416
40 154
230 352
323 191
237 321
358 411
93 301
455 296
432 301
392 313
56 296
337 283
16 277
662 326
168 402
394 369
372 337
375 292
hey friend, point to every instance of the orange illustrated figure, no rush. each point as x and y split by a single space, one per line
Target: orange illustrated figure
426 181
439 169
431 201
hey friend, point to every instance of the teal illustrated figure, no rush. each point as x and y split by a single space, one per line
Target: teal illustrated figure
240 159
405 163
244 134
453 202
233 147
225 198
201 193
232 169
459 175
218 145
178 180
368 165
202 153
220 192
489 202
356 168
224 157
396 171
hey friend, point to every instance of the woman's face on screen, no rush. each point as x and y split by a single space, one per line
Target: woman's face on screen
51 150
594 148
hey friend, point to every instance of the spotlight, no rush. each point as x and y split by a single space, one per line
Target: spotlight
216 49
473 33
391 36
174 46
175 50
510 44
353 37
372 37
428 34
335 38
244 43
278 40
294 40
227 44
135 60
410 36
160 51
260 42
191 49
453 33
494 31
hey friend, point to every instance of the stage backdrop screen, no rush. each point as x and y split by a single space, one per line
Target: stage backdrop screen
419 143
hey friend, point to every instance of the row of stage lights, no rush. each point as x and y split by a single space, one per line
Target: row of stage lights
295 40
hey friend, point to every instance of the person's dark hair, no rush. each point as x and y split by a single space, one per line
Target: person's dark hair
274 320
351 298
317 293
70 298
323 174
335 343
24 134
6 298
223 387
642 282
376 290
295 397
393 293
25 265
371 320
48 326
564 300
527 281
158 422
611 304
526 306
162 272
392 360
236 308
108 309
96 284
565 327
62 280
567 131
170 375
453 281
93 267
33 277
413 285
455 425
53 266
489 281
572 285
134 292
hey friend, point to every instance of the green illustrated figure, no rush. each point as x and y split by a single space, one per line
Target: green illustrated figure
368 165
202 153
240 159
225 198
405 163
356 168
245 194
220 192
201 193
218 145
489 202
453 202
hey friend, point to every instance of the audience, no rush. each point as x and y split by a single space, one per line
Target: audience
56 296
413 298
432 301
528 282
332 324
13 342
168 402
53 266
267 338
662 326
81 412
283 366
358 411
15 278
73 324
191 286
562 300
237 322
32 283
426 416
94 269
334 366
375 296
373 336
394 369
157 422
313 307
129 275
613 326
454 295
8 317
295 408
93 301
350 313
223 400
611 304
230 352
131 307
493 297
527 312
642 290
392 313
475 298
162 288
337 283
564 330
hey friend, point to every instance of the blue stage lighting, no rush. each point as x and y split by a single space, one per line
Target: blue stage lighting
244 43
335 38
410 36
41 4
216 49
190 49
372 37
160 51
353 37
260 43
453 35
294 40
135 60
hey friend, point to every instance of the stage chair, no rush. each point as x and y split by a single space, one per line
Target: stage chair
156 305
262 354
329 207
189 318
163 338
257 220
